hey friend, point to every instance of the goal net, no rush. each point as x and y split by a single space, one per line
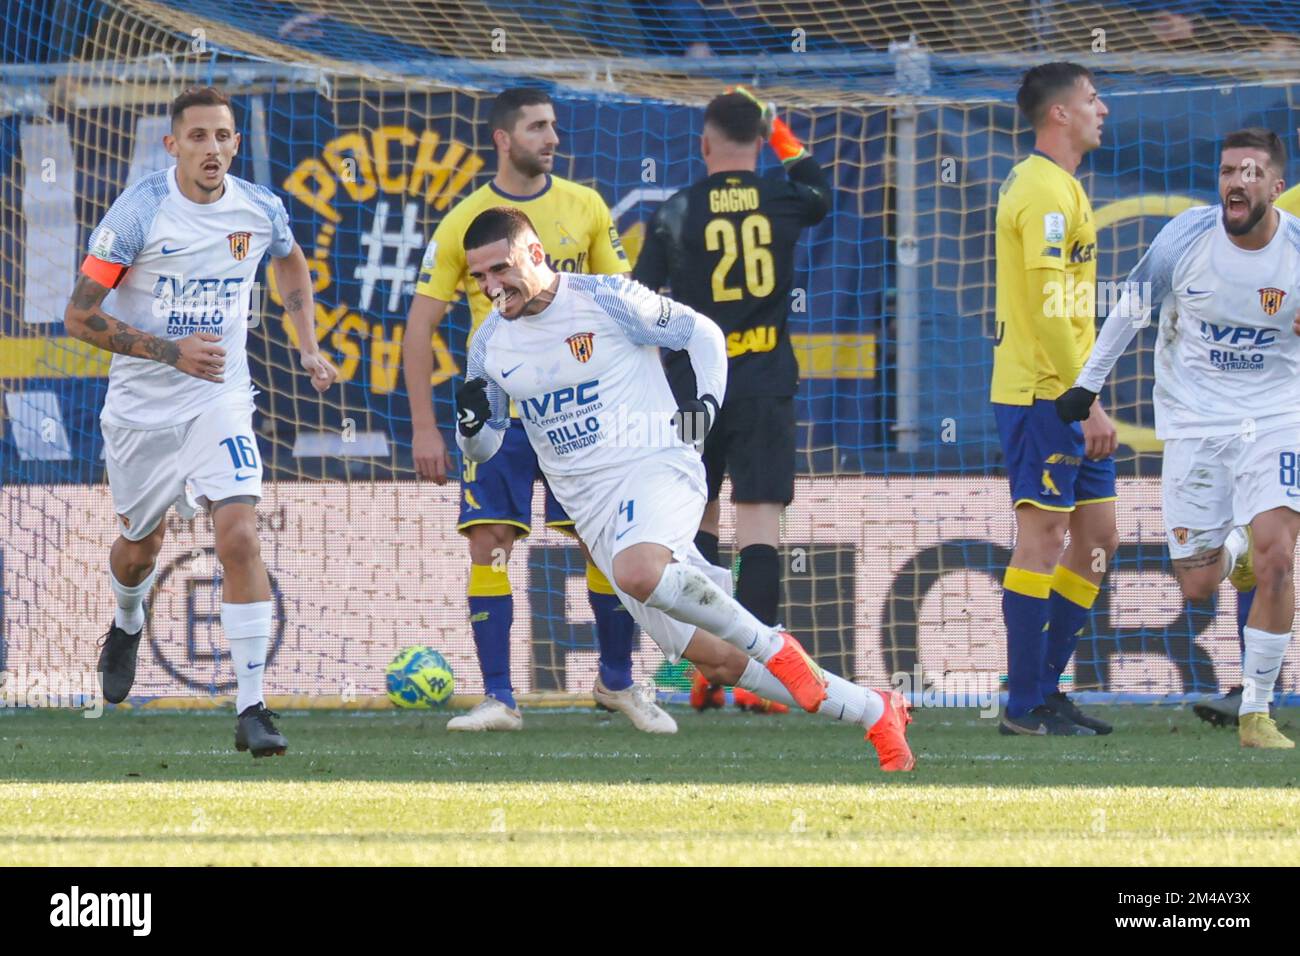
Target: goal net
368 120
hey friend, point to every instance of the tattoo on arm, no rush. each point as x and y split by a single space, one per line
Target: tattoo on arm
162 350
293 301
87 294
114 335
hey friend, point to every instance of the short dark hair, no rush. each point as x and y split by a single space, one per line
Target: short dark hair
506 107
199 96
735 116
493 225
1258 137
1042 85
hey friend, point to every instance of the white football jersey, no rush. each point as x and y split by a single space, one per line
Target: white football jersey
1226 360
190 268
586 376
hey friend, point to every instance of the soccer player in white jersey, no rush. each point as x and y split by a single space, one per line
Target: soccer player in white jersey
179 250
579 355
1227 400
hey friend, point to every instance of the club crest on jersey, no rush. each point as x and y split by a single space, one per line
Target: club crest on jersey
1270 300
582 345
239 243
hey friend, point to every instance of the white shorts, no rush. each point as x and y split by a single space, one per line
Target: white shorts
208 458
1212 485
660 502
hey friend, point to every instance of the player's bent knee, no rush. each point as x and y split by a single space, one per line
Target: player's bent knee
136 558
1108 542
1274 567
638 582
238 545
1198 587
491 543
637 573
1040 535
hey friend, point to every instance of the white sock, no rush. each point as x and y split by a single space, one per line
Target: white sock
248 630
1259 669
686 594
130 601
844 700
1234 546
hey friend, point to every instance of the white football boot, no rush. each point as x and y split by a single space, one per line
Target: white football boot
489 715
638 703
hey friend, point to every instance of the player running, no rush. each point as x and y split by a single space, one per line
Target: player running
1223 711
726 246
496 497
579 355
180 250
1062 476
1227 400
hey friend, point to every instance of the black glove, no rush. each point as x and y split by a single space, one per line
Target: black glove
472 407
695 417
1075 405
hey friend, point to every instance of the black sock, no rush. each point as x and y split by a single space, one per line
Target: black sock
759 585
708 546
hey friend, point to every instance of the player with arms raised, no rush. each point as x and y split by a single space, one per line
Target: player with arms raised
1227 400
496 496
1062 476
180 250
726 247
580 356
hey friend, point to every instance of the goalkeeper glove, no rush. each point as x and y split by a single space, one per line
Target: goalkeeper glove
472 407
1076 404
784 143
695 417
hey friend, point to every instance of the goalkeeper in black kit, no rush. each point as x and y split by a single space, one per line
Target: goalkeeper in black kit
726 247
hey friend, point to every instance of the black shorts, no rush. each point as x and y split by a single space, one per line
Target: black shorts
753 442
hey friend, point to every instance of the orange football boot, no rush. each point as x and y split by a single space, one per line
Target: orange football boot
705 696
800 674
748 700
889 734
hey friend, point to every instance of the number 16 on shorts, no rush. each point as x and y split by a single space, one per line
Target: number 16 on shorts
243 453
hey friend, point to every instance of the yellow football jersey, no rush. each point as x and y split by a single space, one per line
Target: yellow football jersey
1289 201
573 222
1044 222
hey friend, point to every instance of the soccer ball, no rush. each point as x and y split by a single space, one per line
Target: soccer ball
419 677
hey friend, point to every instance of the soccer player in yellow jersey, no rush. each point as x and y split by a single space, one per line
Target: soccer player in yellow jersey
1062 476
1289 201
578 235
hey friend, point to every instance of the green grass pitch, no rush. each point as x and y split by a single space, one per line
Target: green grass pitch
577 787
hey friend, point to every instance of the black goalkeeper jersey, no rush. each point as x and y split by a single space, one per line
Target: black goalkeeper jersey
725 246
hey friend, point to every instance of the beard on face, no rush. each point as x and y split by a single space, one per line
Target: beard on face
1254 214
527 164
